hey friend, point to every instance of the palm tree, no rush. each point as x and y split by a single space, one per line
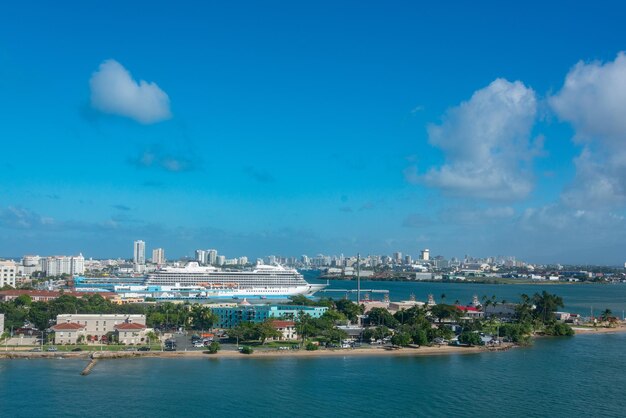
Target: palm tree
606 315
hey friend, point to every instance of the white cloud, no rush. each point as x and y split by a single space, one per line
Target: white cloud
114 91
486 142
593 99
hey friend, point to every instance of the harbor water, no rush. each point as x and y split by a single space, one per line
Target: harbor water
557 377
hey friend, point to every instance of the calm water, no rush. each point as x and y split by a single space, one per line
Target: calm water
570 377
578 298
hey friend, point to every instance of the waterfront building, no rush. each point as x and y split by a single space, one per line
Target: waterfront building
130 333
287 330
68 333
97 326
8 271
158 256
139 252
229 317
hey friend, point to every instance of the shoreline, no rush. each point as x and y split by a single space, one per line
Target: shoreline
271 354
580 330
358 352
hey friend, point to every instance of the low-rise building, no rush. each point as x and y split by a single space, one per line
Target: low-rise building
97 326
229 317
287 329
68 333
470 312
405 304
501 310
46 295
130 333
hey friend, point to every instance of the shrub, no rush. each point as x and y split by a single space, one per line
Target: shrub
247 350
214 347
311 347
470 338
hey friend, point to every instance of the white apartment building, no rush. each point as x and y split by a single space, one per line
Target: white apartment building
57 265
139 252
201 256
8 271
211 257
158 256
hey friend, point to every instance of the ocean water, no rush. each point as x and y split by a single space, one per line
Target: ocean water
578 298
567 377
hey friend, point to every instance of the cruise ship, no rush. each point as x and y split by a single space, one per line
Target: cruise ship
262 281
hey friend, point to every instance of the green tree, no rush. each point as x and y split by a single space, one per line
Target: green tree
381 316
214 347
441 312
546 304
470 338
402 339
350 309
606 315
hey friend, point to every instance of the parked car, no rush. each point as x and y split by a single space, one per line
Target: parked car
143 349
198 344
52 349
36 349
77 349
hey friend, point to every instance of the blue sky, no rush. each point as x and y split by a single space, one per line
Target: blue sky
300 128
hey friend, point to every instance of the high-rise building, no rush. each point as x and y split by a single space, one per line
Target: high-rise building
139 252
8 271
221 260
425 255
397 256
211 257
61 264
31 264
408 260
201 256
158 256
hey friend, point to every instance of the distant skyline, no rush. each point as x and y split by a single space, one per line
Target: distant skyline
291 128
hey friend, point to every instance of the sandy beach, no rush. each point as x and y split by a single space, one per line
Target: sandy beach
422 351
598 330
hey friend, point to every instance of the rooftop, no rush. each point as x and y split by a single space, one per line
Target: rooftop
67 326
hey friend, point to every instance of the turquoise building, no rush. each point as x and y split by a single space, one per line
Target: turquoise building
230 317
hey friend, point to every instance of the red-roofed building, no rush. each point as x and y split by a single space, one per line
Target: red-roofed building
470 311
47 295
287 329
68 332
130 333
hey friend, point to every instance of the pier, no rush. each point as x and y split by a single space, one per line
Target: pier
89 367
